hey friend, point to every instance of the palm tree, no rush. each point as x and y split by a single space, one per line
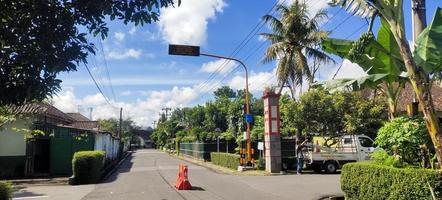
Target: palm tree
295 37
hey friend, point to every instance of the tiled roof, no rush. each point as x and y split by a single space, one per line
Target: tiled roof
78 117
41 108
88 125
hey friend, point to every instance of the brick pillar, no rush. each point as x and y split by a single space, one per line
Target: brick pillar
272 140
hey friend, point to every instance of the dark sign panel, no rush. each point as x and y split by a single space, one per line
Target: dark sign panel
184 50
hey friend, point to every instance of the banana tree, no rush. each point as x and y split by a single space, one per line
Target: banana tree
380 59
422 66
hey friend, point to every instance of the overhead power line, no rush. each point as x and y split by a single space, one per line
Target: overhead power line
238 48
98 87
107 70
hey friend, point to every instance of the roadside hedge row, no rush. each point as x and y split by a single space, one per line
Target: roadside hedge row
87 166
369 181
5 190
225 159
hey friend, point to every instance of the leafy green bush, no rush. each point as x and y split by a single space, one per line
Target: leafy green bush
370 181
403 136
87 166
382 157
5 190
225 159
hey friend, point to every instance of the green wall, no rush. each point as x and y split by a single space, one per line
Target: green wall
63 147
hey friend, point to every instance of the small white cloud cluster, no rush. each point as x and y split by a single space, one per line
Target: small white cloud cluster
187 24
220 66
126 53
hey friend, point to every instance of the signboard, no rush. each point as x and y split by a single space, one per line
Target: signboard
260 145
184 50
248 118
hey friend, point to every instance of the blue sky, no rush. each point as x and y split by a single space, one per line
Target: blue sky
145 78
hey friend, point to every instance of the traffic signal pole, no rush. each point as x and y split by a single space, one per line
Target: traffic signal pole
249 141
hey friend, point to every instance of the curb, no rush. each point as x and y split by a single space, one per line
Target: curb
107 174
215 168
40 181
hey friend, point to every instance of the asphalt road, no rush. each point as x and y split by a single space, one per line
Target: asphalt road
151 174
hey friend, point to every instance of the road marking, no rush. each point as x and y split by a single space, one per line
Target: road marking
33 197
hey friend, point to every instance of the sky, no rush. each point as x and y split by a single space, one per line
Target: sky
134 71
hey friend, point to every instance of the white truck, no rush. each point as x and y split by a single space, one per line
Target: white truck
350 148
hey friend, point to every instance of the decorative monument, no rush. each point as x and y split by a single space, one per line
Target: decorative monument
272 139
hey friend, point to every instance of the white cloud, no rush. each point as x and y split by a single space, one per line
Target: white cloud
313 6
121 55
132 30
221 66
348 70
143 112
126 93
257 81
119 36
187 24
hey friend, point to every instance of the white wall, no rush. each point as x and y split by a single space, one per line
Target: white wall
13 143
105 142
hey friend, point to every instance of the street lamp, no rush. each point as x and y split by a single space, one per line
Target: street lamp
187 50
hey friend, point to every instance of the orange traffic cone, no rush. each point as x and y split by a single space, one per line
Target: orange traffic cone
182 182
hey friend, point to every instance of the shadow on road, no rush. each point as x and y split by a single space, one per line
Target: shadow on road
196 188
123 168
28 194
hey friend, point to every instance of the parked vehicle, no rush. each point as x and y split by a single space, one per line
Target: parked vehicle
350 148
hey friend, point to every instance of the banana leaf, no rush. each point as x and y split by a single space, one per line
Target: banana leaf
369 81
428 51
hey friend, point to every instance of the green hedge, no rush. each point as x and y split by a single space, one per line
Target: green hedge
369 181
5 190
87 166
225 159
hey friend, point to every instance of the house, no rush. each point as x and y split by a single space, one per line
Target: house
407 94
51 153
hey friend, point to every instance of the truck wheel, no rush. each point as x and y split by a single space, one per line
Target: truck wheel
330 167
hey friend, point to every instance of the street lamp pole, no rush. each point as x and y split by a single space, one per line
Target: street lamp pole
187 50
249 142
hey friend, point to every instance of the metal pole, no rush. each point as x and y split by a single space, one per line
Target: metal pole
249 145
121 122
217 144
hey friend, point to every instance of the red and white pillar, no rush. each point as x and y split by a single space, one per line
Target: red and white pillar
272 138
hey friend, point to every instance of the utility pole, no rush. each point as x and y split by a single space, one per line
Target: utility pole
90 113
167 111
121 122
419 22
154 122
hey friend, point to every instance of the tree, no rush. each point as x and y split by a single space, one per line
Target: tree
318 112
294 38
40 39
224 92
420 66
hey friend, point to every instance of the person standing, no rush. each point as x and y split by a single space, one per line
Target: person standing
300 155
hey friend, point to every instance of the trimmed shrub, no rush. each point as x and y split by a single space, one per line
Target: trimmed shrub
225 159
369 181
87 166
5 190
